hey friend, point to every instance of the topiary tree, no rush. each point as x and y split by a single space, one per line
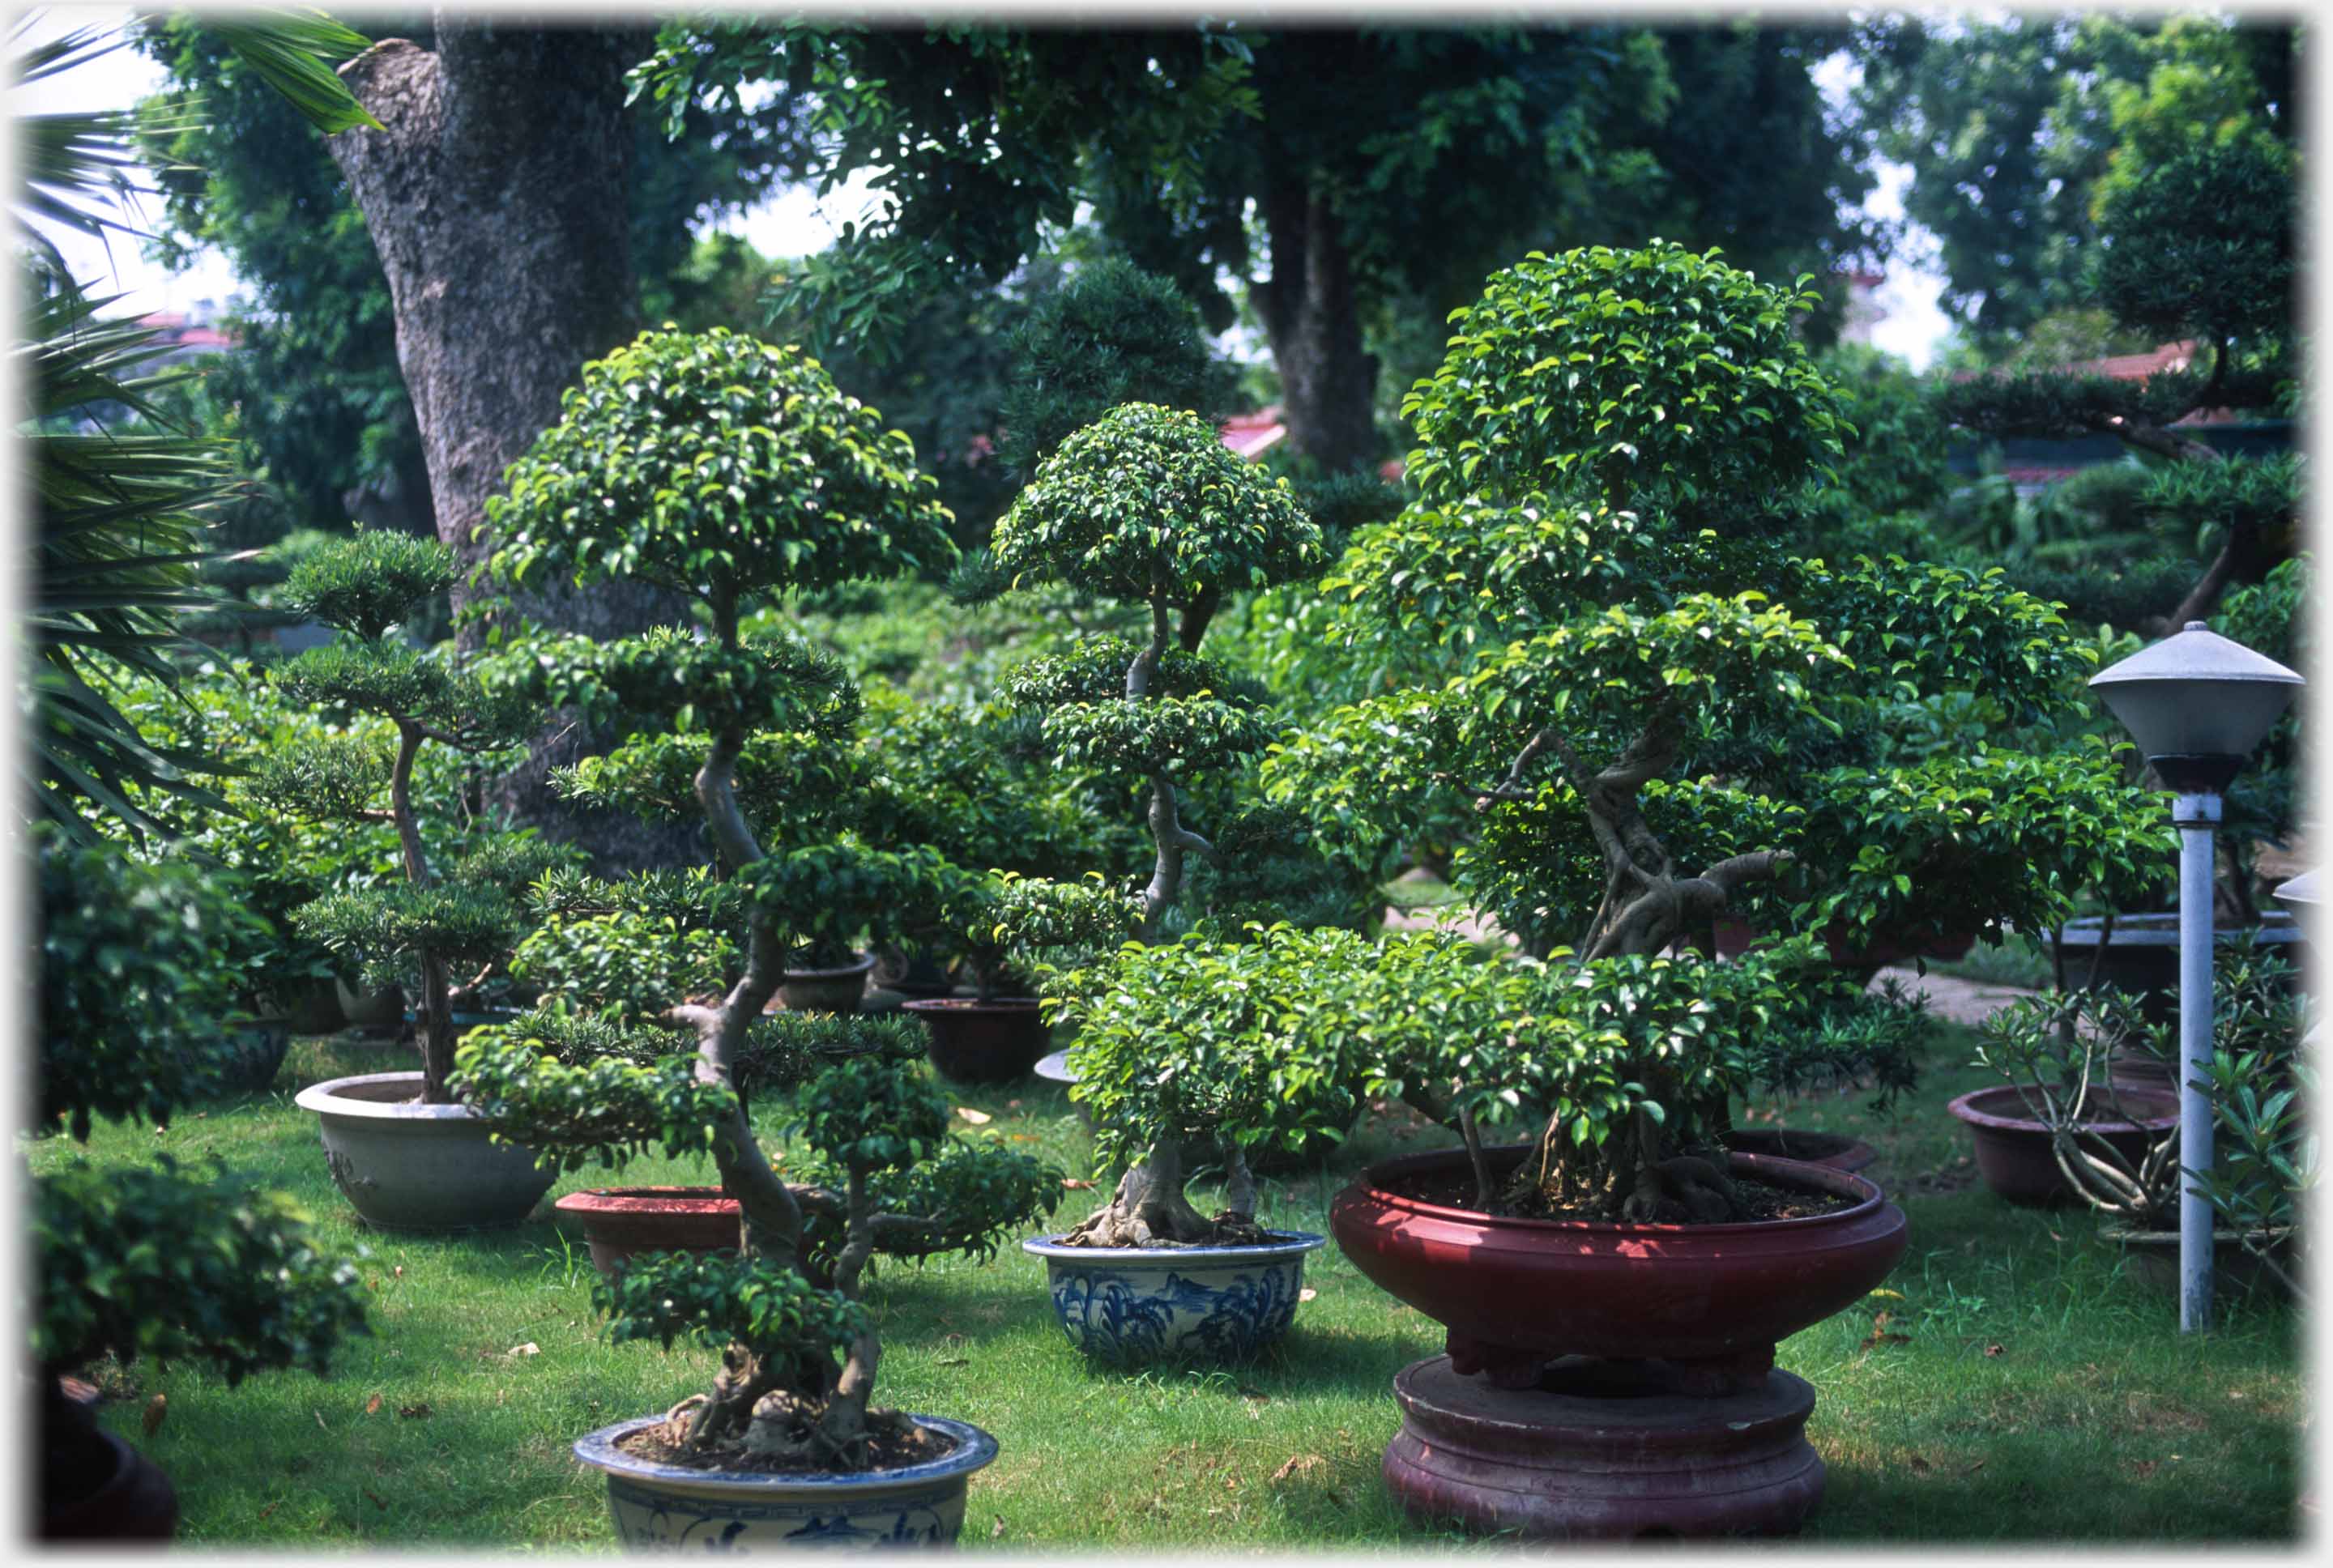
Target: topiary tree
137 986
364 586
1145 505
733 471
1662 715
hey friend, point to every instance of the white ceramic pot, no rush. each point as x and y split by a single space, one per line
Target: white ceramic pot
407 1166
673 1507
1134 1305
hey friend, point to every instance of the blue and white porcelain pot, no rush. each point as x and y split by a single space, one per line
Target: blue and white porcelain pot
1134 1304
673 1507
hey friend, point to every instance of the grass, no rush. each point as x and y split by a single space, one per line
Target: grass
2037 1395
2018 962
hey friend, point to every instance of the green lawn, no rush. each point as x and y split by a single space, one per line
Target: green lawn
2038 1395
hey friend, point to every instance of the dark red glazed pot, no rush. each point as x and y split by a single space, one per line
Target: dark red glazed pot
2012 1144
619 1222
1835 1151
132 1501
1546 1288
982 1042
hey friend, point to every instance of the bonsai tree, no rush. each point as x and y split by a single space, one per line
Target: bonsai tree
364 586
812 492
1145 505
1663 715
2055 1051
135 983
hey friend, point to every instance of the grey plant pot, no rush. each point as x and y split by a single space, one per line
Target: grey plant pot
407 1166
672 1507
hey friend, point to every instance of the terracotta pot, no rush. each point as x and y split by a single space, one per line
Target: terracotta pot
982 1042
407 1166
134 1501
2152 1257
670 1507
619 1222
2141 954
2014 1146
1835 1150
827 990
1530 1290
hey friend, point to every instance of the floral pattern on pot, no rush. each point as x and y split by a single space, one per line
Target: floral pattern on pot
1132 1305
672 1507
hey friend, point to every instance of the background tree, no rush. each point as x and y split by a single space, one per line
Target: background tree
1175 135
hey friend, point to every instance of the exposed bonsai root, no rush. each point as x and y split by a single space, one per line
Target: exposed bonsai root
1149 1210
1686 1182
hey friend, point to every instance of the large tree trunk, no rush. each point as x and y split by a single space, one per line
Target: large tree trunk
497 194
1328 381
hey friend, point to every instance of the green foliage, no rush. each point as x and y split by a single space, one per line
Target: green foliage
139 983
383 925
625 965
1177 736
2202 243
1236 1039
720 1298
1146 503
1111 334
369 581
605 1108
876 1110
398 682
665 678
1093 670
823 896
1645 378
149 1263
330 779
793 786
716 466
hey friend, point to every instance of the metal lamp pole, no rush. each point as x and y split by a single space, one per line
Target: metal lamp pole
2197 705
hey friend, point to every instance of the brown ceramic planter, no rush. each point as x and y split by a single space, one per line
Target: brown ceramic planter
380 1009
309 1008
1835 1151
1517 1293
619 1222
135 1501
827 990
2013 1147
982 1042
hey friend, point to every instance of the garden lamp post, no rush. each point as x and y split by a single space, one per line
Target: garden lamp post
2197 705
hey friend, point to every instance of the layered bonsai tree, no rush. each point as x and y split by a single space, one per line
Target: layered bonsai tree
729 471
1662 714
366 587
137 989
1146 506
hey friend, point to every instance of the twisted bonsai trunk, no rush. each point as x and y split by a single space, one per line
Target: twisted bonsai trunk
436 1006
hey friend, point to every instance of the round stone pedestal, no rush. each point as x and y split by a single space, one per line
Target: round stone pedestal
1603 1451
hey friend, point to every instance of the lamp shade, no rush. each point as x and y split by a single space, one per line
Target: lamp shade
2300 893
2197 694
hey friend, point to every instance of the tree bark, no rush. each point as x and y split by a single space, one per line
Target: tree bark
1328 381
497 194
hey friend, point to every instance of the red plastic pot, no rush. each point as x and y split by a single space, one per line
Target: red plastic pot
2012 1145
827 990
1834 1151
1521 1289
982 1042
619 1222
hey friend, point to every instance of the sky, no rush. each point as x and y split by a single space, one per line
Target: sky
794 222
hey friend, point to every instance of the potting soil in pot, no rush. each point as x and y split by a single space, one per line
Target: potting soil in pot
1761 1200
888 1447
